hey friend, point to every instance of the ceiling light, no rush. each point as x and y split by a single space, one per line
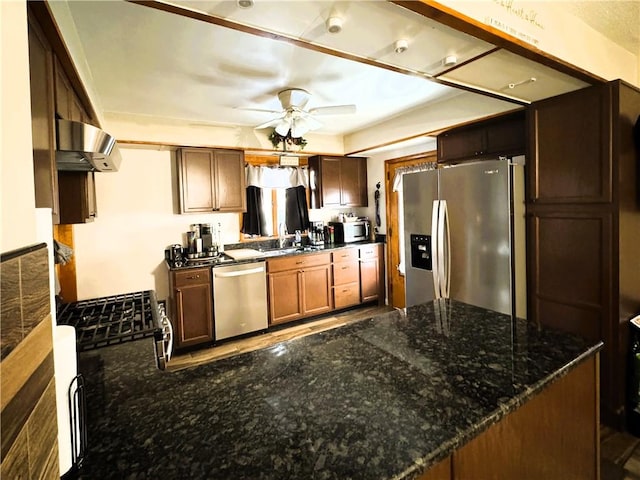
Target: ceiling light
401 46
449 60
334 25
245 3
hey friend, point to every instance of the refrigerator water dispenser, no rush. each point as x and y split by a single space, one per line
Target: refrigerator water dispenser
421 251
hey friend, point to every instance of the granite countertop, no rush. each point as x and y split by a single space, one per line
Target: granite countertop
268 251
382 398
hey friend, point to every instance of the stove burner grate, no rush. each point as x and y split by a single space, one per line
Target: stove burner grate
104 321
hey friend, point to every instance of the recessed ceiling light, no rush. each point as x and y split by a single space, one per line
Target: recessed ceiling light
334 25
401 46
245 3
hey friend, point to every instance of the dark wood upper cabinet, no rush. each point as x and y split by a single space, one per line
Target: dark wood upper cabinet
211 180
569 155
503 135
338 181
78 202
68 105
42 120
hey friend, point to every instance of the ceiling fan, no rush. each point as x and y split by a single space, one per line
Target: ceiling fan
294 118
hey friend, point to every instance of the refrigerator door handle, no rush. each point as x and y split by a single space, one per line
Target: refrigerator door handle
441 257
435 254
445 249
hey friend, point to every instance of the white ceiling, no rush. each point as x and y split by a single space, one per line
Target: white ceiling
157 67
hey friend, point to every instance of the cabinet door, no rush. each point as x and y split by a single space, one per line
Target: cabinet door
284 296
229 181
353 182
369 274
77 197
462 144
507 136
45 174
316 290
197 174
63 92
571 162
195 321
330 183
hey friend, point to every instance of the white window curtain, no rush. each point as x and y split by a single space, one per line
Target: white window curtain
277 177
397 187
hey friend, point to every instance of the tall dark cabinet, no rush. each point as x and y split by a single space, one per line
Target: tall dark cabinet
584 224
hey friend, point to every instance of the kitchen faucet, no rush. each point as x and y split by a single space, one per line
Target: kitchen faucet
282 230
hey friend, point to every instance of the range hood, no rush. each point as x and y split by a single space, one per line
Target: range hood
83 147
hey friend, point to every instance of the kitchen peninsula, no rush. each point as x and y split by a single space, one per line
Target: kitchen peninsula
433 391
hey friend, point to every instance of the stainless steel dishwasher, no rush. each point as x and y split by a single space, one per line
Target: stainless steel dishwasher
239 299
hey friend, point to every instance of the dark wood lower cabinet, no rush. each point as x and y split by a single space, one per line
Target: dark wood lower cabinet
285 302
371 275
191 307
554 435
299 286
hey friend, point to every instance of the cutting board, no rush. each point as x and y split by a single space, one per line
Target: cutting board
244 253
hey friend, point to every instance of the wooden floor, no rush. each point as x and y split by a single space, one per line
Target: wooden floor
255 342
619 452
619 455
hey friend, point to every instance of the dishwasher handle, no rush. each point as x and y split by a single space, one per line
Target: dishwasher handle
239 273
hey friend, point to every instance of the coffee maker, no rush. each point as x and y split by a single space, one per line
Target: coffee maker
175 255
316 233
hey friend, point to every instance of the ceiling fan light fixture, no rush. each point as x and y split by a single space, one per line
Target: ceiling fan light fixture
299 127
245 3
401 46
334 25
283 128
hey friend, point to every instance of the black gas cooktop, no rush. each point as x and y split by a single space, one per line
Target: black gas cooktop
104 321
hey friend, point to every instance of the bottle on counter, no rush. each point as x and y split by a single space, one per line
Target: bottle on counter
219 238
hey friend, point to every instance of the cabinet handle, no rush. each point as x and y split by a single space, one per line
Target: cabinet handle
344 268
345 290
300 262
194 277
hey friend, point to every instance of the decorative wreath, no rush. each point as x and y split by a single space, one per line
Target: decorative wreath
276 139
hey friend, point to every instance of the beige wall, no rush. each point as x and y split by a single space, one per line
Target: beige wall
123 250
17 207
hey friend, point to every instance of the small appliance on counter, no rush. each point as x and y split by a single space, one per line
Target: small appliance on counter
204 240
351 230
174 255
316 233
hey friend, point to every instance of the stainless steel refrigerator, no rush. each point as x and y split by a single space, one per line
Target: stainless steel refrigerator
464 234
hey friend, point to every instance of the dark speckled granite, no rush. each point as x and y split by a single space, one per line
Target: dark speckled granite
382 398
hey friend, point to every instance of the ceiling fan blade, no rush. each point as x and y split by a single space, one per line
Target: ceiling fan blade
270 123
311 123
333 110
259 110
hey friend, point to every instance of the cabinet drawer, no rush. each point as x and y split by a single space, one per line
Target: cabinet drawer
298 261
345 255
369 251
346 272
346 295
196 276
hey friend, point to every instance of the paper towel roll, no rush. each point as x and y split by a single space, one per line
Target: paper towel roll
66 368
